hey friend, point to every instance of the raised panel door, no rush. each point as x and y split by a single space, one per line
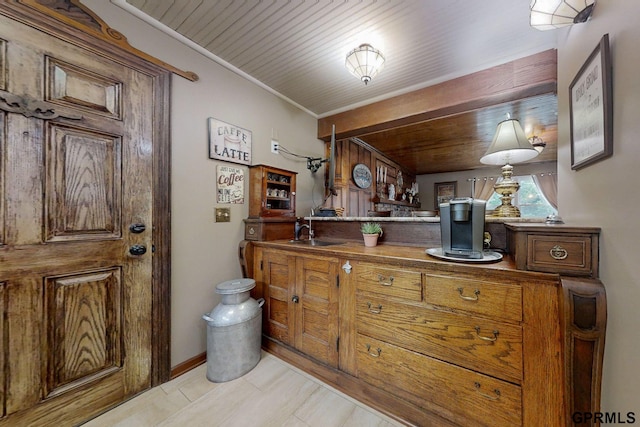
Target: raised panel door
317 308
76 151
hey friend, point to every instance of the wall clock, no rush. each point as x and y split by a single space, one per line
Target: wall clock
362 175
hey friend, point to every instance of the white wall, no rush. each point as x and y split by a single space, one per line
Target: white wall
205 253
606 194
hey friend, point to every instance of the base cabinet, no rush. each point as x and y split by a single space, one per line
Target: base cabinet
301 302
434 343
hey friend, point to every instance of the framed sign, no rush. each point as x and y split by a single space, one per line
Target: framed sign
230 184
443 192
229 142
591 109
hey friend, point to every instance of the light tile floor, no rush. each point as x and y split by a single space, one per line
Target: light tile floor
273 394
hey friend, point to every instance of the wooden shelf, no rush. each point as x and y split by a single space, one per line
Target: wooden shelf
377 199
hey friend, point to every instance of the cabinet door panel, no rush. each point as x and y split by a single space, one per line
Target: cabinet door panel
279 279
317 310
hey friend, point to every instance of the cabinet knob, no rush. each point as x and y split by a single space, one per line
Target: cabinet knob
295 299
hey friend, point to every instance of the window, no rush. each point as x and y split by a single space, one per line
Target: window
529 199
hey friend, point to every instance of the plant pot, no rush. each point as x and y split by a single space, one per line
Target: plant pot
370 240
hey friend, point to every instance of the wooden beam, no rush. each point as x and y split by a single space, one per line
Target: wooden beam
518 79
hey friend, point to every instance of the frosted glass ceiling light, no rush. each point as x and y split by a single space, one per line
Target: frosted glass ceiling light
550 14
364 62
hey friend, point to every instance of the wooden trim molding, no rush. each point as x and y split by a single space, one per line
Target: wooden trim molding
188 365
76 15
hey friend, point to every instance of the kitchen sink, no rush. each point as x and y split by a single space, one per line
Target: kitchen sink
314 242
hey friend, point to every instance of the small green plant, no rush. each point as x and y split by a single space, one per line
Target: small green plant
371 228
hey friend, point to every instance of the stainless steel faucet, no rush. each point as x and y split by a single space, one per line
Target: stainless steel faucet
297 229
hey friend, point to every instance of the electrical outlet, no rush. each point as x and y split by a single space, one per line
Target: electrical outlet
275 147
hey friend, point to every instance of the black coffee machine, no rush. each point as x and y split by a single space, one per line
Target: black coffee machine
462 227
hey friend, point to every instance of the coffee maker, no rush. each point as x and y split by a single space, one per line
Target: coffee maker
462 227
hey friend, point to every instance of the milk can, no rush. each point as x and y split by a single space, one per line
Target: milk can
234 331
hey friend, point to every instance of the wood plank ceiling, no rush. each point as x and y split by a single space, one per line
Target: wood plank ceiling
298 47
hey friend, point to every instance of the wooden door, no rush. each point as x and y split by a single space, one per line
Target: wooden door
316 321
279 287
76 146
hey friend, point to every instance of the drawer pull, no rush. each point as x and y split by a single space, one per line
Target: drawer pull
493 338
374 311
468 298
379 350
487 396
558 252
383 283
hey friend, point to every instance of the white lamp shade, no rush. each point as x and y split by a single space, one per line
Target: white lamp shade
550 14
364 62
510 145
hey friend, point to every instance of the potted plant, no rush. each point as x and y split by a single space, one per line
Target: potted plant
370 232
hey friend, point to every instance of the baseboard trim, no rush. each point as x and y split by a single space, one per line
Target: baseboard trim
188 365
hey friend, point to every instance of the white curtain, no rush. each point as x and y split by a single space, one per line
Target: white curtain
483 187
548 185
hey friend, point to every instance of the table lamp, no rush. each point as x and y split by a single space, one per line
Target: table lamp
509 146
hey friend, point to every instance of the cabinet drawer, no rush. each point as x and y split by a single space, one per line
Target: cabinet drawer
495 300
253 231
404 284
566 255
482 345
457 394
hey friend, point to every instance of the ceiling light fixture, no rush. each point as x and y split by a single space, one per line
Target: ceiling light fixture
509 145
550 14
537 143
364 62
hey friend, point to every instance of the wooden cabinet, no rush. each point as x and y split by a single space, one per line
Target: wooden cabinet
437 343
301 302
272 192
562 249
449 345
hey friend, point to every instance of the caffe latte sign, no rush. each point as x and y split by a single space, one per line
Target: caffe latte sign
229 142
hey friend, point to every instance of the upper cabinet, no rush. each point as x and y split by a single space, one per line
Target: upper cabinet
272 192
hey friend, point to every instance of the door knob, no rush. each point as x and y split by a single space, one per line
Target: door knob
138 250
137 228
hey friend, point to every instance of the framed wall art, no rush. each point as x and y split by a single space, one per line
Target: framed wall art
229 142
443 192
230 184
591 109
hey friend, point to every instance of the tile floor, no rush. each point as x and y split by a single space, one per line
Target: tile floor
274 394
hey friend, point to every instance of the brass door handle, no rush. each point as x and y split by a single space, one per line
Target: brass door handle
469 298
558 253
381 280
496 392
493 338
374 311
378 351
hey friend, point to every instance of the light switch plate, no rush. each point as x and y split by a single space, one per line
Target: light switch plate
223 215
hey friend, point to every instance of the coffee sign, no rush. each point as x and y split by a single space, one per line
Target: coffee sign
230 184
229 142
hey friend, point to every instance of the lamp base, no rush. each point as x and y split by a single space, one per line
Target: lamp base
506 210
506 188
